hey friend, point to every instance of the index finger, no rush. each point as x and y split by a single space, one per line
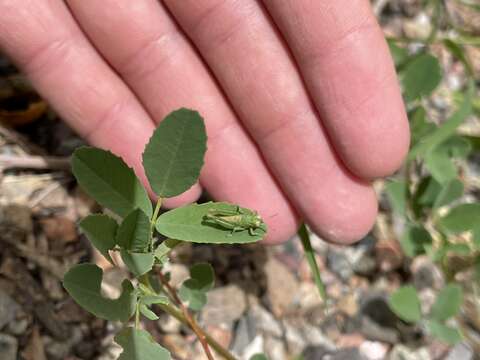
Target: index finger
343 57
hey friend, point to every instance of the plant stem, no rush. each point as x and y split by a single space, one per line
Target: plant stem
181 316
155 215
137 316
436 18
190 320
177 314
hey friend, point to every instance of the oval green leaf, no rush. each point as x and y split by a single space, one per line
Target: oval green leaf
193 290
204 275
107 179
399 54
137 263
405 304
448 303
421 76
440 165
461 218
443 332
414 240
83 283
134 232
139 345
446 129
397 192
149 314
100 230
188 223
259 357
174 154
450 191
190 294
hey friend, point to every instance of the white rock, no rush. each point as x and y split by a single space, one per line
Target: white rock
275 348
460 351
224 305
8 347
373 350
255 347
265 321
401 352
8 308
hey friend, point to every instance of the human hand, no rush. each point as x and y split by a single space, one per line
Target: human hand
293 93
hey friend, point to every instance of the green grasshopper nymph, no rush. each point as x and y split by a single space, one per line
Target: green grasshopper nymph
238 219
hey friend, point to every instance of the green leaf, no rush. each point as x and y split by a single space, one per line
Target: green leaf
100 230
187 223
414 240
461 218
259 357
154 299
459 249
134 232
456 146
436 254
457 51
448 303
399 54
204 275
193 290
421 76
163 250
312 261
450 191
137 263
440 165
476 236
443 332
189 294
107 179
446 130
83 283
149 314
474 142
424 196
174 155
139 345
405 304
419 126
397 192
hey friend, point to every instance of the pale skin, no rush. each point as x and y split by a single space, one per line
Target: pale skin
300 98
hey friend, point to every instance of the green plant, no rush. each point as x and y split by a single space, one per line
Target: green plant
406 304
429 195
144 238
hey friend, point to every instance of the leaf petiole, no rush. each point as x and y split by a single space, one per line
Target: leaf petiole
155 215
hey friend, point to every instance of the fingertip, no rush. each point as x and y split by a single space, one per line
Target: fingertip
281 231
188 197
384 154
348 222
282 222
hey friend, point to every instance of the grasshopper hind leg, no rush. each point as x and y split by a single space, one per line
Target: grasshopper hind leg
235 229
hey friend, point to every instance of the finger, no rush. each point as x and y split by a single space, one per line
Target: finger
44 40
250 62
147 49
344 60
